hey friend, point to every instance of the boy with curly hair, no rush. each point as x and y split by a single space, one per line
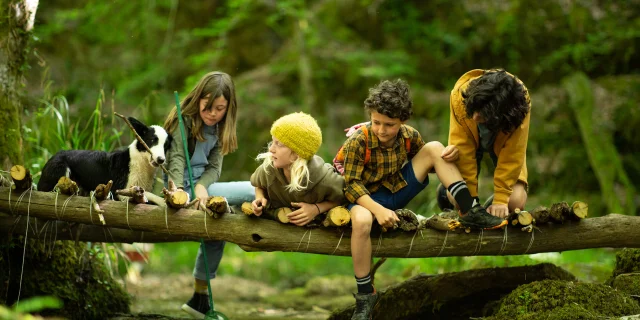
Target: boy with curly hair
386 164
490 112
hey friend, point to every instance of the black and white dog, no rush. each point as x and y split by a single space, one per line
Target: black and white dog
133 166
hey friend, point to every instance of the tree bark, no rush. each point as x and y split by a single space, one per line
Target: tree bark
15 26
614 230
52 230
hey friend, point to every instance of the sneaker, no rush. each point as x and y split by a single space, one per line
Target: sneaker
197 306
443 200
479 218
364 305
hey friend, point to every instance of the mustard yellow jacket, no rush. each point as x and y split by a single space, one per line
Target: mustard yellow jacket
510 148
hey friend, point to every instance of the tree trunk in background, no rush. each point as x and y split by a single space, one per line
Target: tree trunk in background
16 24
598 141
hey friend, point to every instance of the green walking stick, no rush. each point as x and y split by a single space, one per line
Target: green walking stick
211 314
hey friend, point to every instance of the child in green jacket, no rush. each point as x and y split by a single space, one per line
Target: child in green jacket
291 175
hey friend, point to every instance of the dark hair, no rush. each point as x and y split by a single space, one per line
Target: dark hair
499 98
391 98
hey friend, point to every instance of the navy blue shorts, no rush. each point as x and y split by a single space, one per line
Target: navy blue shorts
400 199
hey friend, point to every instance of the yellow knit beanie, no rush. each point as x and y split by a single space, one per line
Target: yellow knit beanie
299 132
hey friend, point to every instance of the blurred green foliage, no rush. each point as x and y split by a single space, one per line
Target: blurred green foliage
322 56
95 57
288 270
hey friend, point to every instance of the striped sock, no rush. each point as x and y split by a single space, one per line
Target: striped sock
364 284
461 193
200 287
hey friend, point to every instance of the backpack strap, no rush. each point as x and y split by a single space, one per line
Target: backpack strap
407 144
367 151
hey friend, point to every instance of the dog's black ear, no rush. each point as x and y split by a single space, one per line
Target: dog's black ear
140 127
167 143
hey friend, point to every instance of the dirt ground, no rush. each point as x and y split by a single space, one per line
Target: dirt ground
237 298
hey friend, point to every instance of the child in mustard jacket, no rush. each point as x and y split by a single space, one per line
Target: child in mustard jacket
490 112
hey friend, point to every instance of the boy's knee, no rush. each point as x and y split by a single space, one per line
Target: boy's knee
518 198
433 148
361 220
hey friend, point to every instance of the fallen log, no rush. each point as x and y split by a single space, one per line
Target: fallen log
613 230
52 230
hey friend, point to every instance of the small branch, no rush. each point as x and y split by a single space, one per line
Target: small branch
139 138
102 191
136 193
375 267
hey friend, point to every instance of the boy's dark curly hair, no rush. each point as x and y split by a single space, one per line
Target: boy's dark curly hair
391 98
499 98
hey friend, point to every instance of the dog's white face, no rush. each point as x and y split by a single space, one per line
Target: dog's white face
156 138
160 143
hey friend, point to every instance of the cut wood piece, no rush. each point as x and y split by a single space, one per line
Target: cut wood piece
525 218
337 217
281 214
135 193
66 186
218 204
559 211
174 197
102 191
438 222
513 217
21 177
540 214
408 220
247 208
579 210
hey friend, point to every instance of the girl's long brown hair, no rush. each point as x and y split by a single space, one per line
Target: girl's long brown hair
215 84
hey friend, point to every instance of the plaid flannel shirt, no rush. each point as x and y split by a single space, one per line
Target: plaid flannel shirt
383 169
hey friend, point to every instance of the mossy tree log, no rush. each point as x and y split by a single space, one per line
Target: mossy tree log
265 235
441 296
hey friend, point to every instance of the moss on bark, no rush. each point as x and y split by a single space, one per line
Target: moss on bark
560 300
68 271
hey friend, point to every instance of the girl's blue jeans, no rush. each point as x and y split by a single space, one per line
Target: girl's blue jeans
236 193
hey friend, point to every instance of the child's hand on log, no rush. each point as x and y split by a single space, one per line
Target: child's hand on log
258 205
450 153
387 218
304 214
202 195
499 210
